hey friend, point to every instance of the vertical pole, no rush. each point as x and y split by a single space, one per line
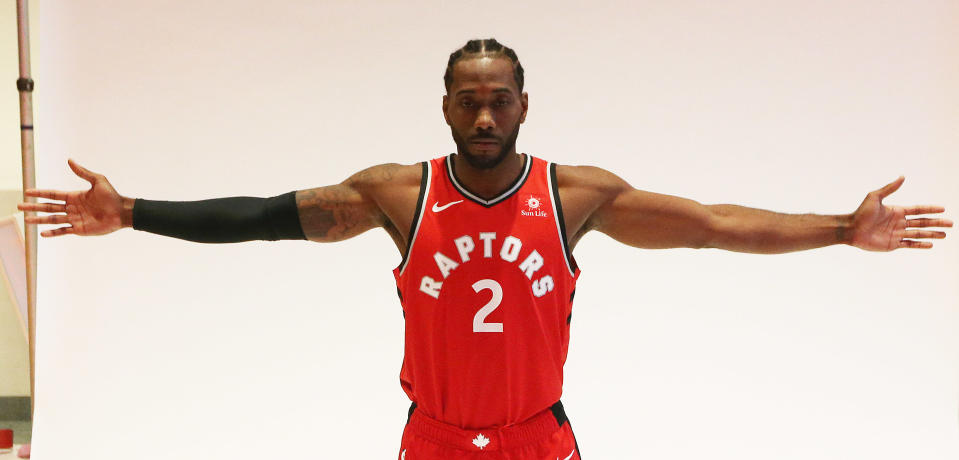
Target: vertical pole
25 87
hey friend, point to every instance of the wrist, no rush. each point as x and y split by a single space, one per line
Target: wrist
126 212
844 223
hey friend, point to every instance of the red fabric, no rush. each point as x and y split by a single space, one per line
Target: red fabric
518 278
540 438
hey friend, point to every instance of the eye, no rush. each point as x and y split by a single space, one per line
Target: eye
502 102
466 103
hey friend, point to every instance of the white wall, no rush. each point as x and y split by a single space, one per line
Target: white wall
233 351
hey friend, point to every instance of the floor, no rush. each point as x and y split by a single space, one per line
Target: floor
12 455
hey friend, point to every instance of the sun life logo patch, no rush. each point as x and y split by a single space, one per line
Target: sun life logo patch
534 206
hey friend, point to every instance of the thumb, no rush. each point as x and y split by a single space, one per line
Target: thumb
891 187
84 173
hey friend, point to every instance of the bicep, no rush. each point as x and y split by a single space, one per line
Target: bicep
338 212
655 221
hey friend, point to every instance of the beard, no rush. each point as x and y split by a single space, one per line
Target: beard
484 162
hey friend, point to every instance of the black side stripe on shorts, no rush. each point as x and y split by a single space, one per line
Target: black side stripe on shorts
560 413
410 413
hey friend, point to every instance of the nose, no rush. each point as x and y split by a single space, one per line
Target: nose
484 119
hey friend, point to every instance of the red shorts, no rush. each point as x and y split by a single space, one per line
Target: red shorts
545 436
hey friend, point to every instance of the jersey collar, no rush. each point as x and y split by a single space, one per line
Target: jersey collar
513 188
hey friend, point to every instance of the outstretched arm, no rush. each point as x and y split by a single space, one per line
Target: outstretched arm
329 213
651 220
97 211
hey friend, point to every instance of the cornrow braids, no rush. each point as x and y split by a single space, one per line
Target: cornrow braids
488 47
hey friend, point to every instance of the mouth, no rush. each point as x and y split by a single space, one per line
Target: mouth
484 145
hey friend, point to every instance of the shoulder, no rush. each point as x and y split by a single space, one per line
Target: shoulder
386 175
589 179
583 191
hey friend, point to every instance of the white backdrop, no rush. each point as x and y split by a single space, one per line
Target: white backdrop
155 348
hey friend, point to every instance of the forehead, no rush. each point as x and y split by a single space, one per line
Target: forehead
483 74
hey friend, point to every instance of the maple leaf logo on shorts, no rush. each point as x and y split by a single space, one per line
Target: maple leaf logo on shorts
481 441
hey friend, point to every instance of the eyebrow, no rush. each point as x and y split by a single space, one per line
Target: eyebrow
473 91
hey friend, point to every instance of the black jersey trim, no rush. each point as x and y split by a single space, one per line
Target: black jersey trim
417 215
560 222
512 189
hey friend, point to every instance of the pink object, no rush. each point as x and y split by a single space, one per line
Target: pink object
24 451
6 439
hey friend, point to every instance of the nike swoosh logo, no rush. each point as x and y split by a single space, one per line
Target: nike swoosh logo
568 456
440 208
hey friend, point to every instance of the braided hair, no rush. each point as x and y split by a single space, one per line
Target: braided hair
488 47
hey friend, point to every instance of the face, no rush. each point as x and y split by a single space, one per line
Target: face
484 110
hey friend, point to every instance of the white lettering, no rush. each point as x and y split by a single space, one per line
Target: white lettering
464 245
487 238
445 264
510 250
536 213
542 286
533 262
431 287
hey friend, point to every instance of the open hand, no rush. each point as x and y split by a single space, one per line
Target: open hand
877 227
96 211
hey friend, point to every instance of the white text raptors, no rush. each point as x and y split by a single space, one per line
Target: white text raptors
509 251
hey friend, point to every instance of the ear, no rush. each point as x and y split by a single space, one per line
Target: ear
446 102
524 100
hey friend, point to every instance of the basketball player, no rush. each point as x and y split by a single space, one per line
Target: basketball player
487 278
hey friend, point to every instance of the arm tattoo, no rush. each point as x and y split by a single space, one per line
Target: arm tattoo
327 215
338 212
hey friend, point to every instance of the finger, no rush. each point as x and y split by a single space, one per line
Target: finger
85 173
925 209
923 234
914 244
58 231
50 194
891 187
42 207
927 222
50 219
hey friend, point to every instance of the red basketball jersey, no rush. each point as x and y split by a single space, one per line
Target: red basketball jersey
487 289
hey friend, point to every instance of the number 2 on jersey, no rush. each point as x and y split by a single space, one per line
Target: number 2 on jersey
479 323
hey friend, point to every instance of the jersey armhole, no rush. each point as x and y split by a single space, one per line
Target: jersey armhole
560 222
417 215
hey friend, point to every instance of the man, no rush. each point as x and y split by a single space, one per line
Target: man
487 278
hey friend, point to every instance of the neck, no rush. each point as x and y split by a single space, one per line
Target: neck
488 183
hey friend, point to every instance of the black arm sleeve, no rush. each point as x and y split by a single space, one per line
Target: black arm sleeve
221 220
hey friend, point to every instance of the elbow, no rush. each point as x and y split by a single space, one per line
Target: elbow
715 227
